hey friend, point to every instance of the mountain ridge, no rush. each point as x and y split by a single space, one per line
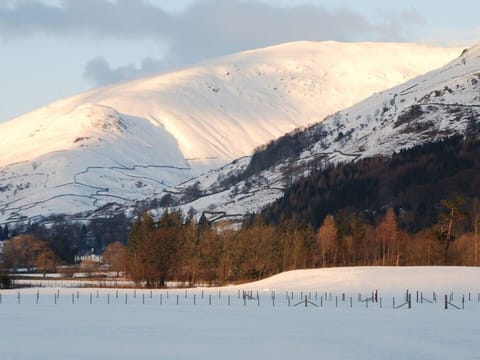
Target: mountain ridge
129 142
431 107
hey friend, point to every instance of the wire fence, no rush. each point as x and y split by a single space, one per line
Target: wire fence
238 298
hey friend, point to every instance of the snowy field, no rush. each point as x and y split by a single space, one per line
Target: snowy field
220 323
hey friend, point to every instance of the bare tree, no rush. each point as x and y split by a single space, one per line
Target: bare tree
115 255
327 233
449 219
388 232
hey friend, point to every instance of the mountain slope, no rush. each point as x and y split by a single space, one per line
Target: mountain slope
436 105
128 142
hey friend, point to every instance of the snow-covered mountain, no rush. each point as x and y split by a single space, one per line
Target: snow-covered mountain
129 142
438 104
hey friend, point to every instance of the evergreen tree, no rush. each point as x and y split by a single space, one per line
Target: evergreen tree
137 247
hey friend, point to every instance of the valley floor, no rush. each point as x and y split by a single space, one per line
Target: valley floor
216 323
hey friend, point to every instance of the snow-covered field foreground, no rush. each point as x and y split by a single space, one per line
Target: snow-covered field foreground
219 323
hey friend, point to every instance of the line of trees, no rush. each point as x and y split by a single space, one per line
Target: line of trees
28 252
175 248
171 249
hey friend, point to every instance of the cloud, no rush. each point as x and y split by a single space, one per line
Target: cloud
204 30
121 18
99 71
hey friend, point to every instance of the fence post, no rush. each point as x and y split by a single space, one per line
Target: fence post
446 301
73 299
228 300
209 299
351 302
409 301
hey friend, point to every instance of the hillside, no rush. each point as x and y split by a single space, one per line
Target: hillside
412 181
128 142
431 107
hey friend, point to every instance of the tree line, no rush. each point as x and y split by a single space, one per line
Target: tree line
171 249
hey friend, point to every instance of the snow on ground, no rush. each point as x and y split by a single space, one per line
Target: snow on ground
152 326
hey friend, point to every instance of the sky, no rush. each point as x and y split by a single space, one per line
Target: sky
51 49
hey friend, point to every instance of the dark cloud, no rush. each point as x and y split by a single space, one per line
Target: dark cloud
206 29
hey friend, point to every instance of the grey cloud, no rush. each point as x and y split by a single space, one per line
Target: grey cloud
121 18
206 29
99 71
